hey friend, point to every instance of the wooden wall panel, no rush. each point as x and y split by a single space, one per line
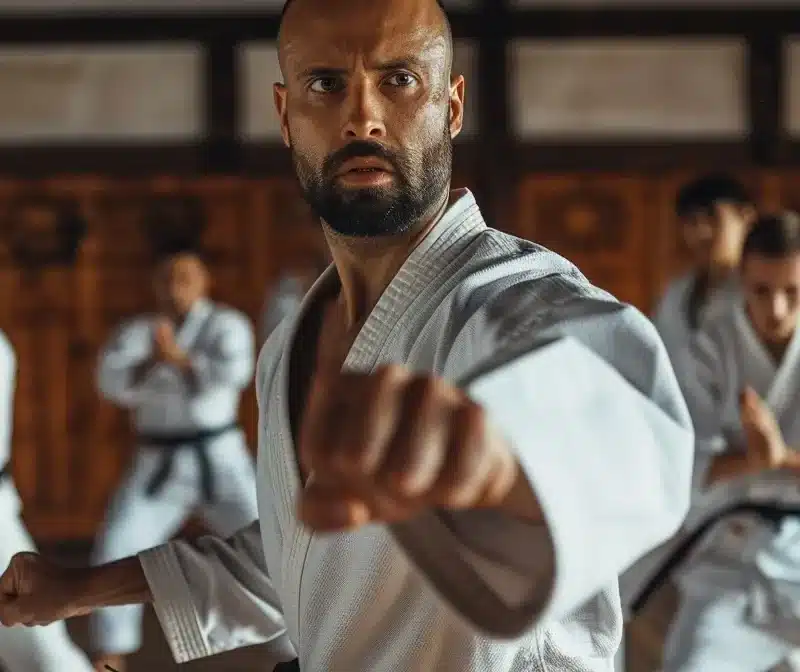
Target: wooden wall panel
597 222
70 448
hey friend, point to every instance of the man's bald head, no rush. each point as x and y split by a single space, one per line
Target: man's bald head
369 107
313 5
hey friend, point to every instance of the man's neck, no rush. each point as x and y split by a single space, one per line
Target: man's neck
366 266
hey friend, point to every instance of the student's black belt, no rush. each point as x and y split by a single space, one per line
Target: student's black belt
773 514
170 443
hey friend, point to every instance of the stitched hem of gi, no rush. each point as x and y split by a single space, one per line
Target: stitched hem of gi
173 604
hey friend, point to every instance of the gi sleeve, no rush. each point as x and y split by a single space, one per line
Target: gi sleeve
127 349
230 360
701 372
583 389
8 375
216 595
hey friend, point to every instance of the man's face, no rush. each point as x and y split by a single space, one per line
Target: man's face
715 237
179 282
369 111
772 295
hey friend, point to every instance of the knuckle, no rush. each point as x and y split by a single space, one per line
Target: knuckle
389 374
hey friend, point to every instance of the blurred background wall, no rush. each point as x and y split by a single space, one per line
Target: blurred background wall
582 119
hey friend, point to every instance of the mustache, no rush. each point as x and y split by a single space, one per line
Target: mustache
359 149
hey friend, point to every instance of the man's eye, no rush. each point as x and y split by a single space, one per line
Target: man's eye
324 85
401 79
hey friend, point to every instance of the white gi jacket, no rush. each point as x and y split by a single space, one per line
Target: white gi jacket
9 499
671 316
726 356
582 387
219 341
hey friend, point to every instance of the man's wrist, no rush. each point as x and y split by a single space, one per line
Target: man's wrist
114 584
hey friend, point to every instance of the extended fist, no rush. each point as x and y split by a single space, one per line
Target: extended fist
34 591
385 446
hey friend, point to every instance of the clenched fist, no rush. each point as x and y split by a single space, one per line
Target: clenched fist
34 591
385 446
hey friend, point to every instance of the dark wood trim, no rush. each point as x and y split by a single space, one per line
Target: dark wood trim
118 159
222 103
765 81
649 22
788 152
493 109
623 155
142 27
476 157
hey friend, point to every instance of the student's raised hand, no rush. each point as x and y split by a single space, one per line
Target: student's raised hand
766 448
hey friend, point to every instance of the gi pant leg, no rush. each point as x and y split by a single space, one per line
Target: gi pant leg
37 649
137 521
235 504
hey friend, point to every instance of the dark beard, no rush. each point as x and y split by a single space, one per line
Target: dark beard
420 180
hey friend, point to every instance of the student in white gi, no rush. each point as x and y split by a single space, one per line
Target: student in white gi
715 212
462 442
180 372
38 649
745 401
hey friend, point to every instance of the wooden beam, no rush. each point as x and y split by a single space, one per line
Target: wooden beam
221 106
626 155
237 26
765 81
649 22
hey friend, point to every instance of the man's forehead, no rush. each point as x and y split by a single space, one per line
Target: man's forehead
377 31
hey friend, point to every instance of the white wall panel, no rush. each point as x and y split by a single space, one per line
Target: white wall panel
151 93
629 88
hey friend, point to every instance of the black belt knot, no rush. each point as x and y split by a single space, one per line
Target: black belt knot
170 443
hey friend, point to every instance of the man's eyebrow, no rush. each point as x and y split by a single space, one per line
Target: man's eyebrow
403 63
321 71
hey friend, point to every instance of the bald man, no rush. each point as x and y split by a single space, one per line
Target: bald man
437 422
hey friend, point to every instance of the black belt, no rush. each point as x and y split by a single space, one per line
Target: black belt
774 514
197 441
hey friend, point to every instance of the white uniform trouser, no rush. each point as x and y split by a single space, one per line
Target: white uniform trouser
137 521
710 633
38 649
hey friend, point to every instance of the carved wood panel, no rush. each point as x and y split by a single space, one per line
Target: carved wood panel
70 448
596 222
784 189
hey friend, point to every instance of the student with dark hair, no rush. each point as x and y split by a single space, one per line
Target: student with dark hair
740 611
715 212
